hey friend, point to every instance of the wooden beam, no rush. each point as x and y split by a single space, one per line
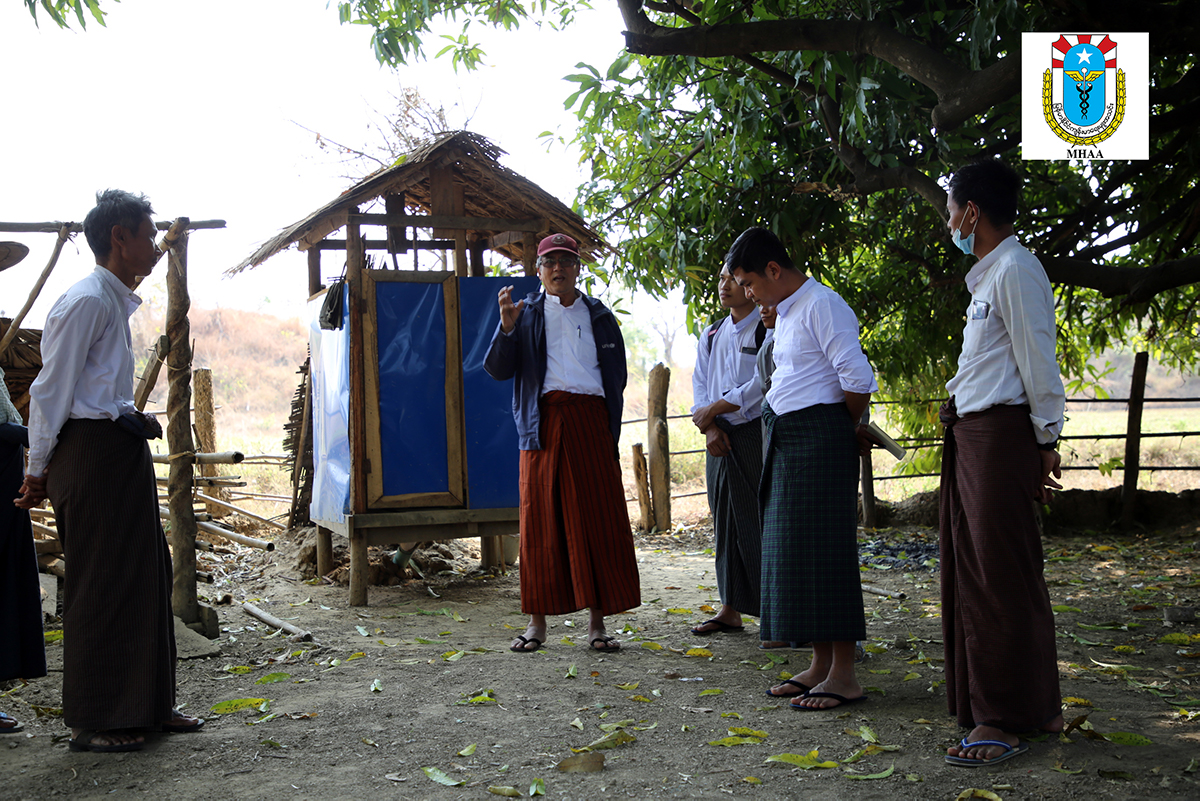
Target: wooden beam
382 244
397 235
441 197
355 267
529 244
452 222
55 227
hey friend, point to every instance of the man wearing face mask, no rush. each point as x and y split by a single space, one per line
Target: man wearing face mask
1003 420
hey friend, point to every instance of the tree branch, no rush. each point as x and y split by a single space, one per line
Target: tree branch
961 93
1137 284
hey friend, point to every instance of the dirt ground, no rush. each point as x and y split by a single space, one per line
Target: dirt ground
422 678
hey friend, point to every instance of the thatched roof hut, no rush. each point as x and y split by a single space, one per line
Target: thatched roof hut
21 363
457 175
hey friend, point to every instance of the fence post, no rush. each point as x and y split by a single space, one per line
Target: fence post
640 478
660 445
1133 438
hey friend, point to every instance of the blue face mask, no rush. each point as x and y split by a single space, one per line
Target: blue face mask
965 244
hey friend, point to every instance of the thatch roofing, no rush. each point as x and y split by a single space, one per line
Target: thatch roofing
21 363
494 192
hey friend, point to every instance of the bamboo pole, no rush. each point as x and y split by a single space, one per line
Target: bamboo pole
64 232
884 593
1133 439
227 457
275 622
643 488
210 501
220 531
660 445
150 375
184 601
52 564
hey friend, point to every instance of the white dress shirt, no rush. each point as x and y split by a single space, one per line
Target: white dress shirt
87 362
571 362
727 370
1008 354
818 357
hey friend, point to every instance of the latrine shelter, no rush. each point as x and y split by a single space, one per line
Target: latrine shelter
411 439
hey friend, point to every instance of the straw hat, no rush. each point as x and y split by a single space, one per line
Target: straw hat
11 253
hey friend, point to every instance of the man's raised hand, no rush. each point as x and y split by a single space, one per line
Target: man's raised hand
508 311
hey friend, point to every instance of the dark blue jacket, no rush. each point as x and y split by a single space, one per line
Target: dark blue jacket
523 356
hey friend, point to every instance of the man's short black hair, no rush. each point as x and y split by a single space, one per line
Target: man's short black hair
991 185
753 249
113 207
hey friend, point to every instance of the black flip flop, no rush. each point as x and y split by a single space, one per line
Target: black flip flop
604 639
841 699
721 627
804 689
525 641
182 728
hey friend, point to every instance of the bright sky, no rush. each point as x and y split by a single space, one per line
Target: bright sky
193 104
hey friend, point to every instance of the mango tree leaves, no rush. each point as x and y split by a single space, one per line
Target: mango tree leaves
975 792
439 776
582 763
620 724
881 775
485 696
1127 738
609 741
238 704
538 787
731 741
272 678
507 792
468 751
807 761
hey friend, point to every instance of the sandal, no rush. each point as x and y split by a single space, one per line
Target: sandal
607 644
86 742
521 649
15 727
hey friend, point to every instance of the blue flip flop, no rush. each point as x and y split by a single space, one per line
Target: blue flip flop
1009 753
841 702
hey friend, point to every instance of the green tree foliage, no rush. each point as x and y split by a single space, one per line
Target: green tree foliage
60 10
833 122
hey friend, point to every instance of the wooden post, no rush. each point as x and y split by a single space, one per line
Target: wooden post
184 602
660 445
1133 439
643 488
867 481
206 430
529 244
314 271
355 264
324 551
15 325
868 491
478 245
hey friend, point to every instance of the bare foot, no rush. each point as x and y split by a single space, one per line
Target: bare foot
1055 725
847 689
111 737
986 753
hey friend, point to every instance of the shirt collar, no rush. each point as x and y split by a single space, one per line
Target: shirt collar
115 285
554 299
750 319
785 305
977 272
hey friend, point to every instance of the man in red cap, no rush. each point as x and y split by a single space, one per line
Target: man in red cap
565 351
